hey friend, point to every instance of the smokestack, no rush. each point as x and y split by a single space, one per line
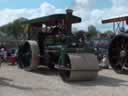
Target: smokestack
69 21
69 12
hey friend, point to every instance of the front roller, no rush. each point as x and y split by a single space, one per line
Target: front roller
118 53
79 66
28 55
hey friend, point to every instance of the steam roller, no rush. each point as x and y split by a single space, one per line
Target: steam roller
58 48
118 48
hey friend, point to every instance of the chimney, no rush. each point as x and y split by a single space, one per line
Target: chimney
69 12
68 22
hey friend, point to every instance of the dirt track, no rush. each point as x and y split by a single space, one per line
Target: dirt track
16 82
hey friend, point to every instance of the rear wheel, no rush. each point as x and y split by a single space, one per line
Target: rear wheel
28 55
118 53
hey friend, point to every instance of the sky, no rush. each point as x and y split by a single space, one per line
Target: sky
91 11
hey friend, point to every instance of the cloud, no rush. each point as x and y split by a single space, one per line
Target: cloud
118 3
118 9
8 15
93 16
84 8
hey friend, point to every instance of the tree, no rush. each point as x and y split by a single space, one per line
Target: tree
92 32
14 29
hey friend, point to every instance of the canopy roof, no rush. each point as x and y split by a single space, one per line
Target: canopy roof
52 20
118 19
